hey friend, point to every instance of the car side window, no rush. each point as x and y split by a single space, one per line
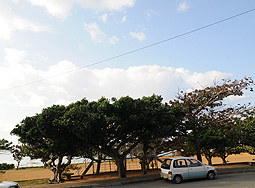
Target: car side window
180 163
193 163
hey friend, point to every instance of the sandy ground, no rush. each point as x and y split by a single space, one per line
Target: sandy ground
29 174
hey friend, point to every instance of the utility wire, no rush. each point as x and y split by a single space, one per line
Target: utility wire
132 51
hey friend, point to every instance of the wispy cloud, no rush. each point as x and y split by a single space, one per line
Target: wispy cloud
113 40
140 36
62 8
96 34
104 17
183 6
124 19
11 22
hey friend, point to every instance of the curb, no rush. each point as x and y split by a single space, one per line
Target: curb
133 180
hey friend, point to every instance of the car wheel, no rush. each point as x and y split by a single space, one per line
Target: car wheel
177 179
210 175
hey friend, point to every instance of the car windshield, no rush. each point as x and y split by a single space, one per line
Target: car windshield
166 164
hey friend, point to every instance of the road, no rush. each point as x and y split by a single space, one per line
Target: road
241 180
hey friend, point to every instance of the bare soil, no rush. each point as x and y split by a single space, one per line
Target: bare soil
30 174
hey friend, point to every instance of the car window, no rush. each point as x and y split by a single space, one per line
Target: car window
193 162
180 163
166 164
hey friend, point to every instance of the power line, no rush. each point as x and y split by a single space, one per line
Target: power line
133 51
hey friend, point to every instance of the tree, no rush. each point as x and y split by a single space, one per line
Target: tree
114 129
18 152
247 133
158 121
5 144
37 153
45 133
196 104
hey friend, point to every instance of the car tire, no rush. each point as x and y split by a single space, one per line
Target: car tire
210 175
177 179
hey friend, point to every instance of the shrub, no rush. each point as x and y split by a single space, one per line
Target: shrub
5 166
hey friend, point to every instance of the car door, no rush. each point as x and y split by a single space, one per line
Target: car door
180 167
196 168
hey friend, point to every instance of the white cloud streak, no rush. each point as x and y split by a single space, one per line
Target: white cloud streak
140 36
61 8
95 32
183 7
11 22
124 19
113 40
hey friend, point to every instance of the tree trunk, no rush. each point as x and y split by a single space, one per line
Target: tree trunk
209 159
57 169
208 156
144 158
98 166
224 159
18 165
197 146
120 166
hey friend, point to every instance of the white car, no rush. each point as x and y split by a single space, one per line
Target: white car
9 184
183 168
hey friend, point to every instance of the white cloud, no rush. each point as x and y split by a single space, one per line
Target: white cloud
124 19
96 34
57 8
236 98
35 89
140 36
201 80
104 17
184 6
10 23
107 4
60 83
61 8
113 40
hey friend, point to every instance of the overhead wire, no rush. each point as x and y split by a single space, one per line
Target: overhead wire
132 51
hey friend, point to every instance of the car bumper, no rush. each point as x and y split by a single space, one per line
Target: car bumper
166 176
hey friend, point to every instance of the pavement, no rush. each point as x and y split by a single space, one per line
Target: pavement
138 179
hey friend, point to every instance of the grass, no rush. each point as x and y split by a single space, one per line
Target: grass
33 182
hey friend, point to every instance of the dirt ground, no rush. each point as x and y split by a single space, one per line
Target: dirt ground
29 174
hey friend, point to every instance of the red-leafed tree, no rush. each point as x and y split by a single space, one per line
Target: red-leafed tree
197 104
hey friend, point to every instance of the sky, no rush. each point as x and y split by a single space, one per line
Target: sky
60 51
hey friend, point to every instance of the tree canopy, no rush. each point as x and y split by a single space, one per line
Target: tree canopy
43 132
197 104
195 122
5 144
116 127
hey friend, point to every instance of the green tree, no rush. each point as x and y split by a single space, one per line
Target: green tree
44 132
5 144
196 104
115 128
247 132
18 153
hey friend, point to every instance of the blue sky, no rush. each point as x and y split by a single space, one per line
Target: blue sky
40 39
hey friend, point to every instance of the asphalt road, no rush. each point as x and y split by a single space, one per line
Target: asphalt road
237 180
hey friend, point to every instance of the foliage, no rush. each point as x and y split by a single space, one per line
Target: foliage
247 125
5 144
114 129
18 152
196 105
44 133
5 166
